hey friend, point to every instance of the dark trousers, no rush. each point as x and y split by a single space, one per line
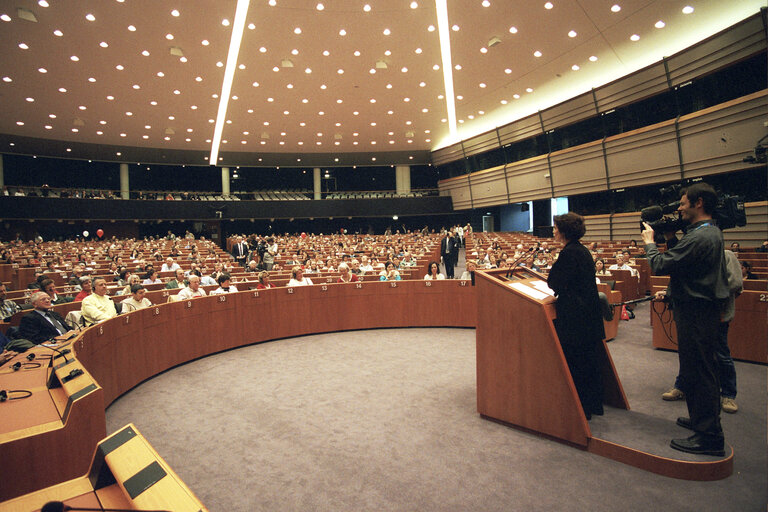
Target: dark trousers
585 371
726 370
450 264
697 325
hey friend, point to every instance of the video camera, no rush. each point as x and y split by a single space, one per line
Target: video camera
728 213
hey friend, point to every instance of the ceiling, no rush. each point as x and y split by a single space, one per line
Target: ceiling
123 80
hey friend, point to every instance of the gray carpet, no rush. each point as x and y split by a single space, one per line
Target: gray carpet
387 420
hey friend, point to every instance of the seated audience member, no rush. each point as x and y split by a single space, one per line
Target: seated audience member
735 247
85 285
169 265
469 272
176 282
133 279
35 285
346 274
49 287
746 270
207 279
354 267
365 265
136 300
298 279
77 273
389 273
408 260
621 264
8 308
264 283
225 285
762 247
42 324
124 277
434 272
193 290
98 307
600 268
151 278
253 266
628 259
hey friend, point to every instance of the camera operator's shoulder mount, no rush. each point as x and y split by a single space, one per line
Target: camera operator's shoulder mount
728 213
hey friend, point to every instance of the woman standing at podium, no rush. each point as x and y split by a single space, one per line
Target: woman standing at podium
579 324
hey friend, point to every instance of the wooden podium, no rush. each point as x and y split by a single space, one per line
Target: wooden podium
523 380
522 376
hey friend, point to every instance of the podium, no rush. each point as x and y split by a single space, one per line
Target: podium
523 381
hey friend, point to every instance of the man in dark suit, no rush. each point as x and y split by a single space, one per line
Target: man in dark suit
240 251
449 251
42 324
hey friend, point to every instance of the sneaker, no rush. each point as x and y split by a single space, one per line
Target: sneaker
672 395
729 405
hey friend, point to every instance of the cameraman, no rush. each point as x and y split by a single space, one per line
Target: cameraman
697 289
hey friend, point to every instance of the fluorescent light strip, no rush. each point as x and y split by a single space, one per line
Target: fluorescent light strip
443 29
229 74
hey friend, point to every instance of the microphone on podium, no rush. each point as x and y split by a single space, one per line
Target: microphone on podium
59 506
524 256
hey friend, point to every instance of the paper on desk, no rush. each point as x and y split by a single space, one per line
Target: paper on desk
543 287
527 290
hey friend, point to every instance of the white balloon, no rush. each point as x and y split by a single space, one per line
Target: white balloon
85 234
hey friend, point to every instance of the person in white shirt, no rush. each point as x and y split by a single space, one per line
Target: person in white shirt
622 265
434 272
169 266
298 279
193 290
365 265
136 300
98 306
225 285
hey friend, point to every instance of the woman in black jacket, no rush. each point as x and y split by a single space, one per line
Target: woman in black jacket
579 324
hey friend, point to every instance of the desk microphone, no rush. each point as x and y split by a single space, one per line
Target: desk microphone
521 258
62 353
59 506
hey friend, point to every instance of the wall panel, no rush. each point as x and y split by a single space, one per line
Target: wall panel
458 189
631 88
527 180
520 129
489 187
647 155
481 143
578 170
569 112
716 140
598 227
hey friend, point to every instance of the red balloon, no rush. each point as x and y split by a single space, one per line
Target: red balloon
303 235
100 232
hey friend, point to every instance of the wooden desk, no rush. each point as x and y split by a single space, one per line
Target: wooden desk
130 348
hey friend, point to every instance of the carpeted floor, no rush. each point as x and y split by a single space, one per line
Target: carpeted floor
387 420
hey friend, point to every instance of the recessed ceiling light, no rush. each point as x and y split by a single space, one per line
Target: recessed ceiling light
110 98
593 58
58 33
504 102
660 24
687 9
129 114
297 31
273 2
74 58
372 71
486 3
482 85
131 28
198 79
548 5
99 132
575 67
205 42
145 53
225 22
61 89
102 122
436 67
319 7
5 17
136 86
367 8
119 67
219 64
90 17
340 71
241 66
634 37
342 32
537 53
455 28
459 97
48 127
275 69
169 37
323 86
270 100
483 50
414 5
508 71
387 53
387 32
529 90
356 53
31 100
91 79
404 69
422 84
615 8
513 30
572 33
193 107
457 67
104 44
24 46
175 13
20 123
42 70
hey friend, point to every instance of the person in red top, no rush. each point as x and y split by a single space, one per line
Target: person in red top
346 274
85 282
264 283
